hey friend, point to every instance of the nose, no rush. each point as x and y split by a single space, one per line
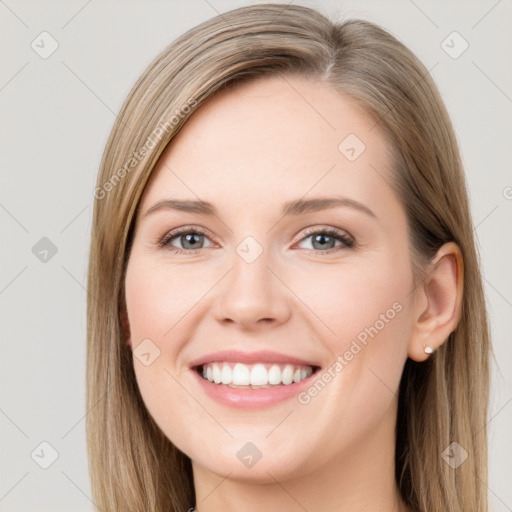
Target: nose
252 296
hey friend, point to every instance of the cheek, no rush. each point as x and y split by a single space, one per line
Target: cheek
158 298
361 297
363 312
368 317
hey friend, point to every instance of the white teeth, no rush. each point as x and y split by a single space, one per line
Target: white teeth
287 374
254 376
259 375
241 375
226 374
217 377
274 375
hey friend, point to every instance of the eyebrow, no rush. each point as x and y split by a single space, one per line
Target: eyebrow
291 208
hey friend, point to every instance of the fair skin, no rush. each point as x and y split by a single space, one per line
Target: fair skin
248 151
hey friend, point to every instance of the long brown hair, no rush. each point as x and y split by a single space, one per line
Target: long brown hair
133 466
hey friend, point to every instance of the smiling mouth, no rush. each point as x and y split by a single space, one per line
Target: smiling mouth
254 376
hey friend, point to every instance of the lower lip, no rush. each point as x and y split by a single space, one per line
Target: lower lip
252 398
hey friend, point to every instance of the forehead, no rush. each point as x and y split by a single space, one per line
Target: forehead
272 140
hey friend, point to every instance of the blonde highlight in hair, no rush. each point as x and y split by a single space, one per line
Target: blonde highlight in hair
133 466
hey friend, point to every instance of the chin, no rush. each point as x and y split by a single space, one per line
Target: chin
257 462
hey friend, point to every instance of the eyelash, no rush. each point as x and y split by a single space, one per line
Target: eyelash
339 235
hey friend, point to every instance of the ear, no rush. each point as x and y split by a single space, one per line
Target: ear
126 327
438 302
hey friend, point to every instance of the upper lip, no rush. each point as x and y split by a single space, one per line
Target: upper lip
261 356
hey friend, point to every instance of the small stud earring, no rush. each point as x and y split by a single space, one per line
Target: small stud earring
428 350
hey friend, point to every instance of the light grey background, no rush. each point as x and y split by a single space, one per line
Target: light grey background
56 115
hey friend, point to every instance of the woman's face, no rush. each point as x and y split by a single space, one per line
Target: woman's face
279 282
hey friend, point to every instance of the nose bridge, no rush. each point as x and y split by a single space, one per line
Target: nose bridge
251 292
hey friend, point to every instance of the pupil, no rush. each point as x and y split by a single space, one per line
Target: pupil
189 237
317 238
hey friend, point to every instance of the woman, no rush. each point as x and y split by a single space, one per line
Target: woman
285 308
